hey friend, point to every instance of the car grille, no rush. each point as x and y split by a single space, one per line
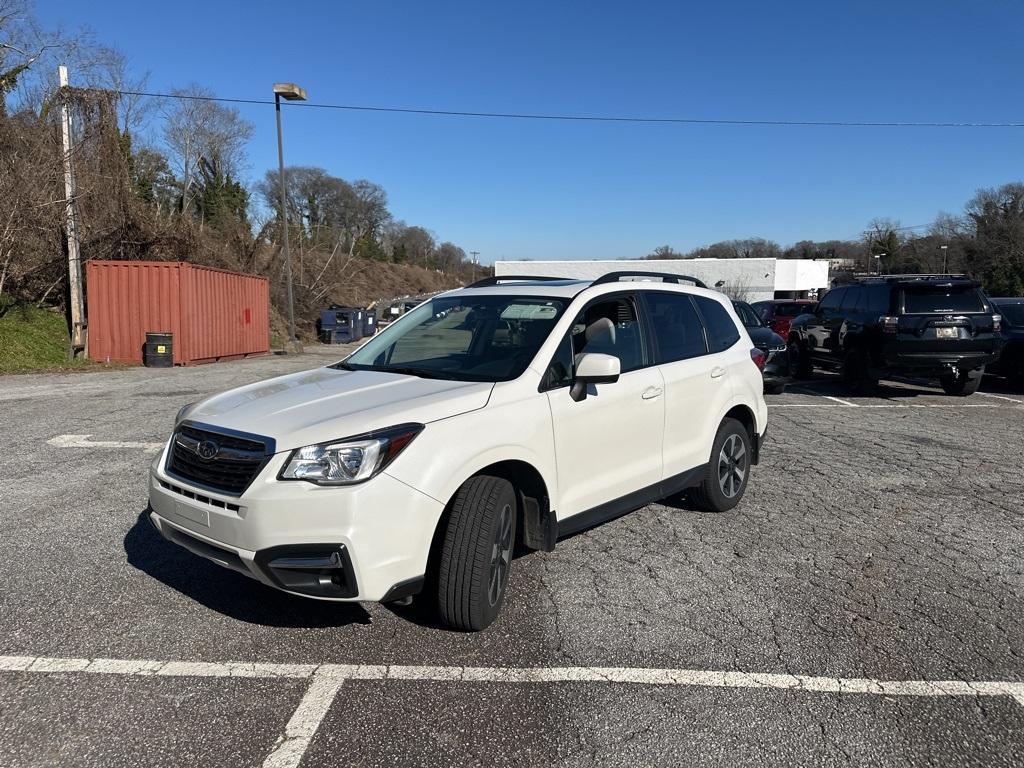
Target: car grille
232 467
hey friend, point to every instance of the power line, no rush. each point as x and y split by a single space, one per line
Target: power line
587 118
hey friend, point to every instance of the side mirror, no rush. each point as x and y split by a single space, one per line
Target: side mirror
593 368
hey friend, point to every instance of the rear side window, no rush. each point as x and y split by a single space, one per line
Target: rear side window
877 299
677 328
833 299
852 299
937 299
721 328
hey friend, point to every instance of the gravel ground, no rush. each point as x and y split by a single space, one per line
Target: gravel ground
880 538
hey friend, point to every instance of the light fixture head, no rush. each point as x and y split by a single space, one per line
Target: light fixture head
290 91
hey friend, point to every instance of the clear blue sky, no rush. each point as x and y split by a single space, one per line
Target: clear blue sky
517 189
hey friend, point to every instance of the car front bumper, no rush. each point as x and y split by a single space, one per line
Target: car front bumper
363 542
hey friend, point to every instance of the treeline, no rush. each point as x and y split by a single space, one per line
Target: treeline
163 179
986 242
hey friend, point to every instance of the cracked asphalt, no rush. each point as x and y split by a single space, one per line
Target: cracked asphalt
880 538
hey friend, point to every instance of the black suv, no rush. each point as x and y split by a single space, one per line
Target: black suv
939 326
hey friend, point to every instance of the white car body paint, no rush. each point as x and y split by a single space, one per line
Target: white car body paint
654 423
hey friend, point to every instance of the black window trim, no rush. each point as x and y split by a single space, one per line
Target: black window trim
646 336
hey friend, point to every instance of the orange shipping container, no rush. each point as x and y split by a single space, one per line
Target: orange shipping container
214 314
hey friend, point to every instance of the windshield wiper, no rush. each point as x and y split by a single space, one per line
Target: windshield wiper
343 366
413 372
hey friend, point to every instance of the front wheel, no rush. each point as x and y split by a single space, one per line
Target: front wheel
963 384
728 471
800 365
477 553
858 375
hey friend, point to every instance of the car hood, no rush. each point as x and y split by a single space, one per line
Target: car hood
765 338
328 403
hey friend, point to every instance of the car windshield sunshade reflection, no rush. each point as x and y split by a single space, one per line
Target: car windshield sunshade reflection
464 338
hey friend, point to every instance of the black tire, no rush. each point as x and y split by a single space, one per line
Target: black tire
964 384
800 364
774 389
471 579
713 495
857 374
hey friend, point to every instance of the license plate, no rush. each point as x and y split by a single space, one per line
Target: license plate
946 333
198 516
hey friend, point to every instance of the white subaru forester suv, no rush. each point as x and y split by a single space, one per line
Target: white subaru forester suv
500 416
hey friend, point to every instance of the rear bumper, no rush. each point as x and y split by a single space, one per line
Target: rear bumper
937 362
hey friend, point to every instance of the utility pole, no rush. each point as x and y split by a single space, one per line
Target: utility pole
475 261
78 326
945 250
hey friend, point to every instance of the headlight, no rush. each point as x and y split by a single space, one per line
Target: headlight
350 460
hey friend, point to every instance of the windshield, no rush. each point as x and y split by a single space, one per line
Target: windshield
934 299
1013 314
468 338
747 316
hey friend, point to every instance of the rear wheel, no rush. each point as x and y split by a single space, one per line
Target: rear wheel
728 471
857 374
963 384
477 553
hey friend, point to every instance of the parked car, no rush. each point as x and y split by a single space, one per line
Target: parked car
1011 360
933 326
777 314
775 372
512 411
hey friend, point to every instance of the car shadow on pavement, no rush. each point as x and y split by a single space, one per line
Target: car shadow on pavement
830 385
227 592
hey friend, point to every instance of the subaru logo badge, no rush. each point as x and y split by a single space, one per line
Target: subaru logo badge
207 449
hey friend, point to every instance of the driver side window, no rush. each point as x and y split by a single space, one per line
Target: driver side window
609 327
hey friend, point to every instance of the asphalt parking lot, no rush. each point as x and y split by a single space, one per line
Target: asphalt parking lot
864 605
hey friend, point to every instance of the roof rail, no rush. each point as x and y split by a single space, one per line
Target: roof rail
666 277
921 276
495 279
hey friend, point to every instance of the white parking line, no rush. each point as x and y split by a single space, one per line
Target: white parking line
885 405
840 401
83 441
326 679
1000 397
305 720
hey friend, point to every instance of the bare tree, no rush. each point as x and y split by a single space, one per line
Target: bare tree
195 126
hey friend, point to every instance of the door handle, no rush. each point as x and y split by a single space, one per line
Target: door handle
717 372
652 392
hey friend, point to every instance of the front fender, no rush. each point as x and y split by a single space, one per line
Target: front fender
450 451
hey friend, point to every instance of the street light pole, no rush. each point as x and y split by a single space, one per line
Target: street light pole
945 251
291 92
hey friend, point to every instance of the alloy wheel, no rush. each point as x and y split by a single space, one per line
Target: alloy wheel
732 466
501 554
